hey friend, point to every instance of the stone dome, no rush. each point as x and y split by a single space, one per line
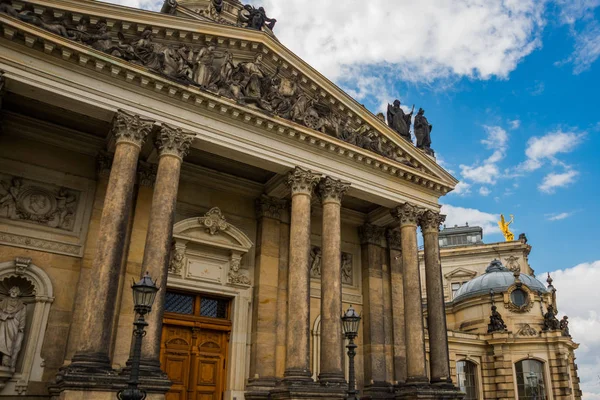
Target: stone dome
497 278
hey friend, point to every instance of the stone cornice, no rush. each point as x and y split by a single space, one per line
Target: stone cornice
87 57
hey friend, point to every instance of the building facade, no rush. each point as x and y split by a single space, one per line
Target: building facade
192 145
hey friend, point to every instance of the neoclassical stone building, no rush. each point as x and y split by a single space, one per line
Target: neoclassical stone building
192 145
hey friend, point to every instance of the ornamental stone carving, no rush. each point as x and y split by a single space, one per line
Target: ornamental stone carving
131 128
345 260
407 214
13 313
551 323
173 141
372 234
235 275
496 322
214 221
394 239
104 162
302 181
512 263
177 260
430 221
146 174
38 203
270 207
526 330
332 190
21 265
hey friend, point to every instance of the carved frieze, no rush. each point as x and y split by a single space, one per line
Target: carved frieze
213 221
213 69
38 203
302 181
131 128
173 141
347 276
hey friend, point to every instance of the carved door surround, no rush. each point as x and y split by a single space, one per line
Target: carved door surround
30 365
211 256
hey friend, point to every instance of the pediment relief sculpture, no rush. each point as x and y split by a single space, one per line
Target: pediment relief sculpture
268 87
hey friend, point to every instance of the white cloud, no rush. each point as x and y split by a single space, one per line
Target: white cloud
558 216
578 297
484 191
587 48
537 89
153 5
460 216
514 124
488 172
553 181
462 189
540 148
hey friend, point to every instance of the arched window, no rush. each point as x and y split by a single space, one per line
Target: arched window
466 372
530 380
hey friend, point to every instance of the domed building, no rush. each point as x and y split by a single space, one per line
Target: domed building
505 339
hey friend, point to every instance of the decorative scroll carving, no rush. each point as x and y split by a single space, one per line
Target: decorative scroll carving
526 330
270 207
302 181
407 214
214 221
103 164
372 234
38 203
346 265
146 174
394 239
431 221
173 141
215 71
21 265
332 189
512 263
131 128
177 261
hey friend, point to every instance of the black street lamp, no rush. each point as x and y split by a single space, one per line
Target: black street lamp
350 322
144 293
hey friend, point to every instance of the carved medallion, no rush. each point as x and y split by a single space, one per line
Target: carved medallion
214 221
512 263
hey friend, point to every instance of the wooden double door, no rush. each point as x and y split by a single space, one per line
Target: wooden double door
194 356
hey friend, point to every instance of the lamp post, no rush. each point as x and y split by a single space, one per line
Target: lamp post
350 321
144 293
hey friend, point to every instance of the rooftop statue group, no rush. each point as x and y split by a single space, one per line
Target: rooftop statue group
248 82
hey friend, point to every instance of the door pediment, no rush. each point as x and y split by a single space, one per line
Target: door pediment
239 73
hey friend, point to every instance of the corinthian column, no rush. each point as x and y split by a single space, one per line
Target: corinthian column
331 192
436 312
297 365
416 368
172 144
129 132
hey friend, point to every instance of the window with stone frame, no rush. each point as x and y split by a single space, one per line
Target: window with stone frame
455 286
530 380
466 376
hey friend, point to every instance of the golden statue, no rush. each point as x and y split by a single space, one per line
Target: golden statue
508 235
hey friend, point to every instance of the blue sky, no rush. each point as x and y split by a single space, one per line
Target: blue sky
511 88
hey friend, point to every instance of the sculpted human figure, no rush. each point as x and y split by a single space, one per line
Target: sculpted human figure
12 327
496 322
398 120
551 323
8 201
203 65
564 326
255 18
423 132
223 77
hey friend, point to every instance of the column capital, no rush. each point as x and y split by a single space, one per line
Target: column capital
146 174
130 128
332 190
430 221
172 141
407 214
270 207
394 239
372 234
302 181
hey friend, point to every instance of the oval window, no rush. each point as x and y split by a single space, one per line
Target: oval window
518 297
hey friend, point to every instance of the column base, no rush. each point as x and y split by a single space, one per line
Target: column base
259 388
293 376
307 391
428 392
378 390
332 379
152 378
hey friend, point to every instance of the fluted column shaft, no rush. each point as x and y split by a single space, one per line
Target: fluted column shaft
331 192
172 144
297 364
416 368
436 312
130 132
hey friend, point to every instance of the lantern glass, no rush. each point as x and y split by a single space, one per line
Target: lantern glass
144 292
350 322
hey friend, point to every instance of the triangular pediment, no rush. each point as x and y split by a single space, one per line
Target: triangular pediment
242 73
460 273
